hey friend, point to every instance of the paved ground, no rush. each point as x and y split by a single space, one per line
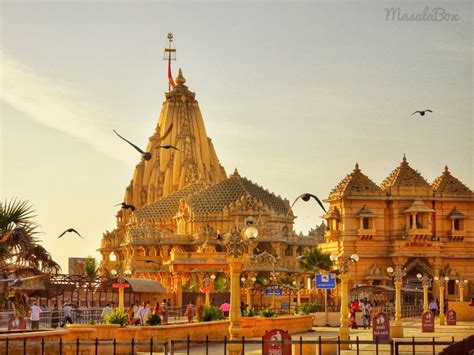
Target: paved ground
412 328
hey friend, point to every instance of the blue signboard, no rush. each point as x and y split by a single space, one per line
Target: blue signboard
269 291
326 281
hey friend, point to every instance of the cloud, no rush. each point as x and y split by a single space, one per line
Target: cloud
56 104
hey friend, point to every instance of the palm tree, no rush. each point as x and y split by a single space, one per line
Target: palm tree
20 251
315 261
91 269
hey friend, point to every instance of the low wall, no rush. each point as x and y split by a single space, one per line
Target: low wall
462 309
257 326
33 340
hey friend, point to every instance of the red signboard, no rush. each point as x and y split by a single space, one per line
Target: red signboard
120 285
273 343
427 322
451 317
381 327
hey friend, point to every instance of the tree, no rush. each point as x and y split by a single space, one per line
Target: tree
315 261
21 254
91 268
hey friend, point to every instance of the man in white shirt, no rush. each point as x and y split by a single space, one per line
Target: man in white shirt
35 312
143 313
107 309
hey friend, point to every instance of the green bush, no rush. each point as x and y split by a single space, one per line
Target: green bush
117 317
267 313
212 313
93 322
308 308
153 319
250 312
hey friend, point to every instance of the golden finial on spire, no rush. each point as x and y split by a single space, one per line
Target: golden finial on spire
404 158
446 170
356 167
180 80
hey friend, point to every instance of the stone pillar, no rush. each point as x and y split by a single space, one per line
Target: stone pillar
397 327
236 266
178 287
121 298
249 297
442 318
344 327
425 298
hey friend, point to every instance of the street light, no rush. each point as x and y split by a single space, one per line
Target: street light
235 243
398 273
425 282
342 262
442 281
461 284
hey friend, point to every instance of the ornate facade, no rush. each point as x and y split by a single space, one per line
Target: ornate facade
184 200
406 221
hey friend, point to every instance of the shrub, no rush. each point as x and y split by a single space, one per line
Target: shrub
212 313
117 317
267 313
153 319
93 322
308 308
250 312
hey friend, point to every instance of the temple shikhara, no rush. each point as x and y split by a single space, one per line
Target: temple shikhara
185 201
423 228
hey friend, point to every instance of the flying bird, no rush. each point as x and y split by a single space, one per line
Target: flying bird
69 231
125 206
422 113
168 146
306 197
145 155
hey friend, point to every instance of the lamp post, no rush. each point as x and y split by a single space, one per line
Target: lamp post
342 262
461 283
121 285
442 281
397 274
208 279
235 244
297 284
425 282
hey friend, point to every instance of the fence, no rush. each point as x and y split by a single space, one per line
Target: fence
415 346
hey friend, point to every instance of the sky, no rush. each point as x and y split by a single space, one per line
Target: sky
293 94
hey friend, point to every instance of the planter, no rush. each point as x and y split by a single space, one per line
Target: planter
34 339
106 331
83 334
257 326
126 334
313 349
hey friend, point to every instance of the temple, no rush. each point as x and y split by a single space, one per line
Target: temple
406 221
185 201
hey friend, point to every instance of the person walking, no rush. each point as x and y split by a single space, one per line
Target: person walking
144 312
366 312
225 308
107 309
35 312
189 313
433 307
164 311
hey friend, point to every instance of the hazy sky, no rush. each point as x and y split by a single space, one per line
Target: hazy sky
292 94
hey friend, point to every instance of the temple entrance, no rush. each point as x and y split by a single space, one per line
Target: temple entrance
413 268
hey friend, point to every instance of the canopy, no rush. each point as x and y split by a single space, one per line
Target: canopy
145 286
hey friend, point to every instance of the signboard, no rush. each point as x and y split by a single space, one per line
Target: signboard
273 343
122 285
427 322
451 317
381 327
327 281
274 290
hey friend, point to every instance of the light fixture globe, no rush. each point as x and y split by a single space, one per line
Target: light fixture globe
112 257
251 232
114 272
390 269
242 279
213 277
128 272
294 283
466 281
333 257
419 276
254 279
355 257
457 281
446 278
436 278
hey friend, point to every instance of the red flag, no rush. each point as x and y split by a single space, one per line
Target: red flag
170 77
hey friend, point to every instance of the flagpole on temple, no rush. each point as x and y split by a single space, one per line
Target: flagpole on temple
170 54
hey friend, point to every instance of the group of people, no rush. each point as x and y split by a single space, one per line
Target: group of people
365 306
138 313
35 314
197 310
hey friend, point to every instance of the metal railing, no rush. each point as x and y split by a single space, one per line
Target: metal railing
393 347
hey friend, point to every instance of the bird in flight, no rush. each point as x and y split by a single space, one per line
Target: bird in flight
422 113
306 197
126 206
168 146
145 155
69 231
